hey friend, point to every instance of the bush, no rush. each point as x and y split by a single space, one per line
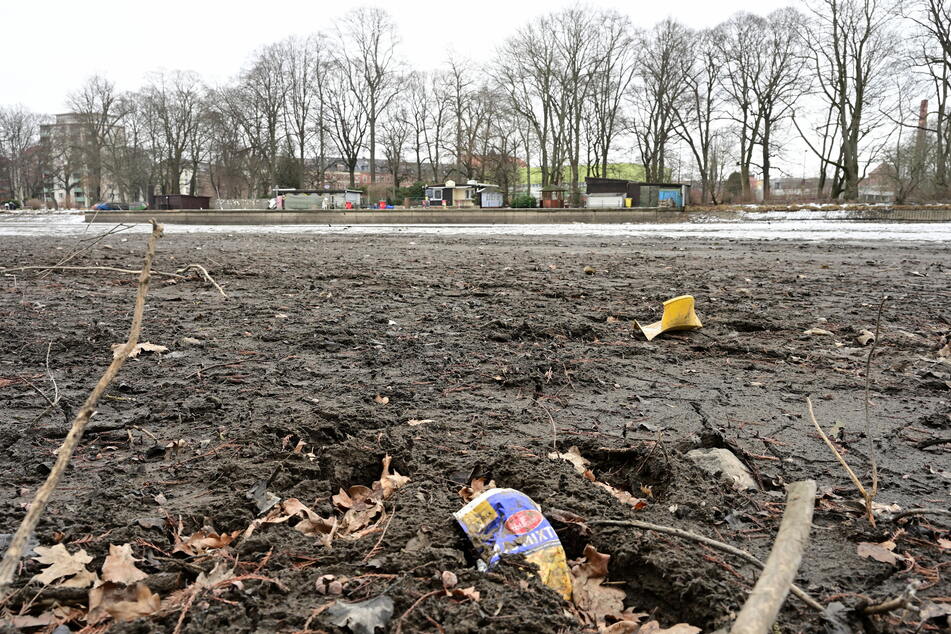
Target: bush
523 201
35 204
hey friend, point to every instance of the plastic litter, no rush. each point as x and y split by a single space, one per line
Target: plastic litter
506 521
678 315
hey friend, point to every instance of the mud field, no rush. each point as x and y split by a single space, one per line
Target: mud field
464 358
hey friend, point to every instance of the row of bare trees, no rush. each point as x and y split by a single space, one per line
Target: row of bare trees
566 96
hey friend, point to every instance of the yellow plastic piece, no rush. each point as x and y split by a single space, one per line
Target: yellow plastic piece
678 315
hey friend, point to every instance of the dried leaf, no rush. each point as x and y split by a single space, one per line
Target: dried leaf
449 579
119 566
477 486
139 348
123 603
573 455
623 496
653 627
592 598
465 593
818 331
389 482
352 497
218 575
62 564
879 552
202 541
944 544
413 422
382 400
363 617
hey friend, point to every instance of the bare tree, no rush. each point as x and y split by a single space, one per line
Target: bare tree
851 49
174 105
306 62
348 118
99 107
659 94
418 108
19 131
740 40
781 81
932 58
368 42
698 116
611 80
396 128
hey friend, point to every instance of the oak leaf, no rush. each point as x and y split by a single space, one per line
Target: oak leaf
119 566
62 564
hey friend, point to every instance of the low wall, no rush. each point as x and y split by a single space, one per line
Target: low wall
388 217
498 216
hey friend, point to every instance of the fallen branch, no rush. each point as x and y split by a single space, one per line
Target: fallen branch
855 479
768 595
727 548
91 268
11 558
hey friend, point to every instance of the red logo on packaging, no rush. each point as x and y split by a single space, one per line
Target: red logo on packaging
523 521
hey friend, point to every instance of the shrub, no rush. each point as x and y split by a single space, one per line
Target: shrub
523 201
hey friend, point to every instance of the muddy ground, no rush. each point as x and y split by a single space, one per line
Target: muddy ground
482 339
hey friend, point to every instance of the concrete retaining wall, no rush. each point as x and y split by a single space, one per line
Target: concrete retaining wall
486 216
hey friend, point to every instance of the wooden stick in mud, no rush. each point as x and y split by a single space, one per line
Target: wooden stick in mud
869 514
768 595
702 539
11 558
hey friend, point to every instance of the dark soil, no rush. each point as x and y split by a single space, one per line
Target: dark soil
487 338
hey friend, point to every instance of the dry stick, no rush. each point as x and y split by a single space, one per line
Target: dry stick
868 419
924 511
78 250
15 551
92 268
727 548
855 479
768 595
205 273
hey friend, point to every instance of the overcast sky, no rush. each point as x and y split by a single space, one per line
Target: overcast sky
50 46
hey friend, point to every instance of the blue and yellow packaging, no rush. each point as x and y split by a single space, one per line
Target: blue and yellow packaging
506 521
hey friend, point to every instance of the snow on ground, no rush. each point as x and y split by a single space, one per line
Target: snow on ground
782 226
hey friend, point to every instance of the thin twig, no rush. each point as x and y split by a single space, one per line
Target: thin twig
92 268
554 429
848 469
52 404
923 511
399 623
78 250
11 558
727 548
206 275
50 374
868 419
